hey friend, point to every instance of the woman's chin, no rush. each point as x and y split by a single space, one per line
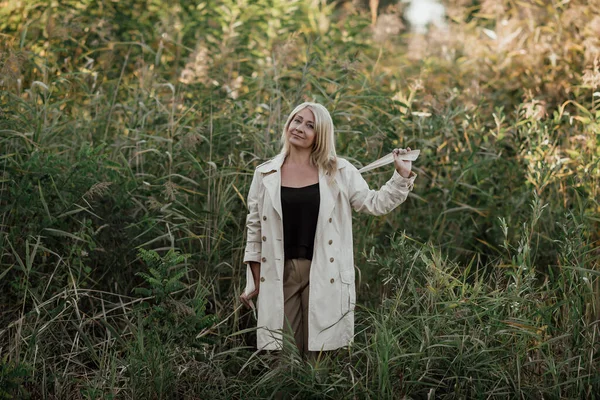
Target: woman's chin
297 143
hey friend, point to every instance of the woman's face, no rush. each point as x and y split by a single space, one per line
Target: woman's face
301 132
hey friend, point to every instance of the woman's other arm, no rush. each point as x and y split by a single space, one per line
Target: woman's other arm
252 253
253 242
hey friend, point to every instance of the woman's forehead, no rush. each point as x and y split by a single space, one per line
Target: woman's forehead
307 114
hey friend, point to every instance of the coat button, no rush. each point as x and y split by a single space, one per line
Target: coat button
332 280
264 238
262 279
331 241
331 259
330 219
264 259
264 218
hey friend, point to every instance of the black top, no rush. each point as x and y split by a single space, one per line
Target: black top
300 208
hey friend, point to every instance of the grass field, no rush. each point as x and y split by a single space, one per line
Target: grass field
129 132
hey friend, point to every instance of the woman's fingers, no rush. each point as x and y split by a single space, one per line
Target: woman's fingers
245 298
399 152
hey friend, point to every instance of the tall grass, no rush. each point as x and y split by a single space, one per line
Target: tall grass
129 134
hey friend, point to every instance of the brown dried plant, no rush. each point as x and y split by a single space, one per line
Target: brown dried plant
591 75
97 190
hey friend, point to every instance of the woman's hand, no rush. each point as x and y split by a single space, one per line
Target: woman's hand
403 167
247 298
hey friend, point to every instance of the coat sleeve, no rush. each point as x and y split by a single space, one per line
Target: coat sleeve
377 202
253 242
253 230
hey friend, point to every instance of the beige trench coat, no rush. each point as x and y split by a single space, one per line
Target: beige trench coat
332 292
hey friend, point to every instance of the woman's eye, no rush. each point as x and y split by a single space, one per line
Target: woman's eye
311 126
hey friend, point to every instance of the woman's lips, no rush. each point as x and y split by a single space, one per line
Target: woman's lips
296 136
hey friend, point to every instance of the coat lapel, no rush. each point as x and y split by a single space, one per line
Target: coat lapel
329 194
272 184
272 181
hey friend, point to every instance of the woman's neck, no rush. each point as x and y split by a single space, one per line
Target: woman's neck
298 157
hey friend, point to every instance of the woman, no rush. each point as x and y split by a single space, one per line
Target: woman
299 251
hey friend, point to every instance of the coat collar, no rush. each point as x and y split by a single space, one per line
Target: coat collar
273 164
329 191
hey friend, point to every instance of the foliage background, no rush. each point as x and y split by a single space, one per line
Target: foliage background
129 132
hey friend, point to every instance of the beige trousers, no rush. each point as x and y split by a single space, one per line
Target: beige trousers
296 284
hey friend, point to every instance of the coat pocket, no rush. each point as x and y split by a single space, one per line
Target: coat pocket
348 291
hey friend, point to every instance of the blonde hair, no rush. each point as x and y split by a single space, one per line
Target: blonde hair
323 153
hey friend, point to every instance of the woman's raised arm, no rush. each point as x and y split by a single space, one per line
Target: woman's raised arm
377 202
